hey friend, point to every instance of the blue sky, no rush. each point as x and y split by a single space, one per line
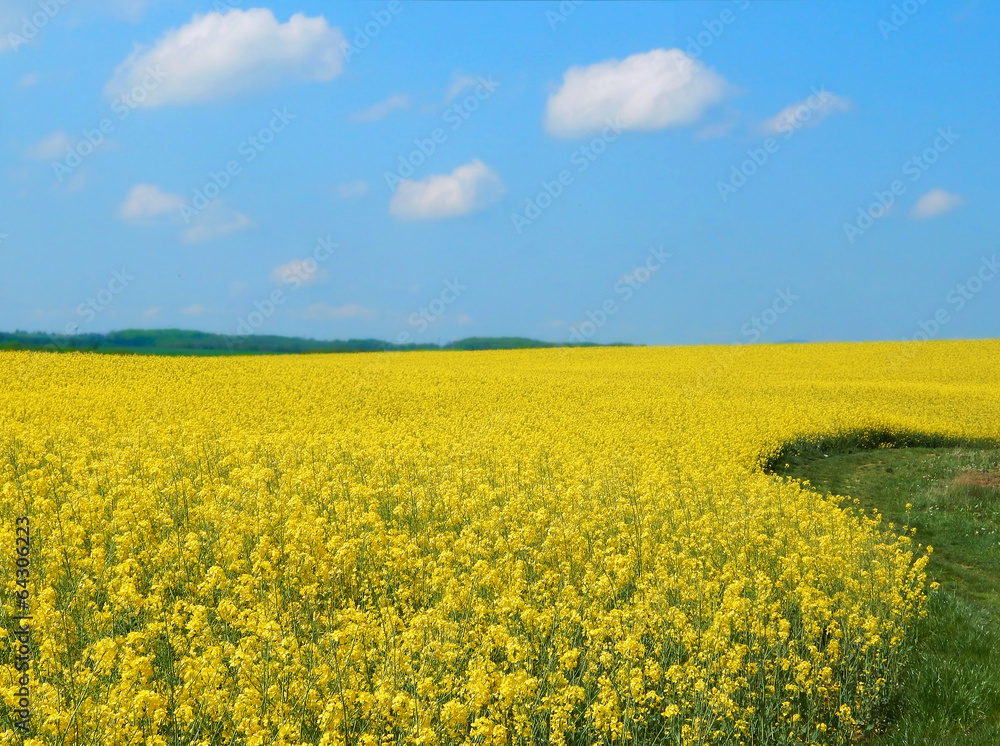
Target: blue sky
723 172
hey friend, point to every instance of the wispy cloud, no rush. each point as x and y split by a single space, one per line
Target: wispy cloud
218 220
382 109
49 147
808 112
148 205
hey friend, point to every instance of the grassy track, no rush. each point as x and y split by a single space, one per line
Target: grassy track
951 691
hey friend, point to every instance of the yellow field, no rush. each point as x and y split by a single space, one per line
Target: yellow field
562 546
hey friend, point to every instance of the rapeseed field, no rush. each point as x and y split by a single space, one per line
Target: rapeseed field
559 546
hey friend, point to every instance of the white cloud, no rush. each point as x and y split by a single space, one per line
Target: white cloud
648 91
50 147
936 202
146 202
348 189
463 319
195 310
806 113
382 109
466 189
300 271
217 56
349 311
28 80
215 221
151 312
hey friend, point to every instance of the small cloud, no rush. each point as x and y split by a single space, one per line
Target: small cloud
215 221
219 56
936 202
458 84
50 147
382 109
28 80
151 312
808 112
195 310
299 271
238 287
349 189
554 324
463 319
146 202
647 91
468 188
350 311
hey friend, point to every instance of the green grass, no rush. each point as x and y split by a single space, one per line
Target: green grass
950 692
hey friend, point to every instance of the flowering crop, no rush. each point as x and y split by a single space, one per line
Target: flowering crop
544 546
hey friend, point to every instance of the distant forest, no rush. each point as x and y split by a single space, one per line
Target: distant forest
182 342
